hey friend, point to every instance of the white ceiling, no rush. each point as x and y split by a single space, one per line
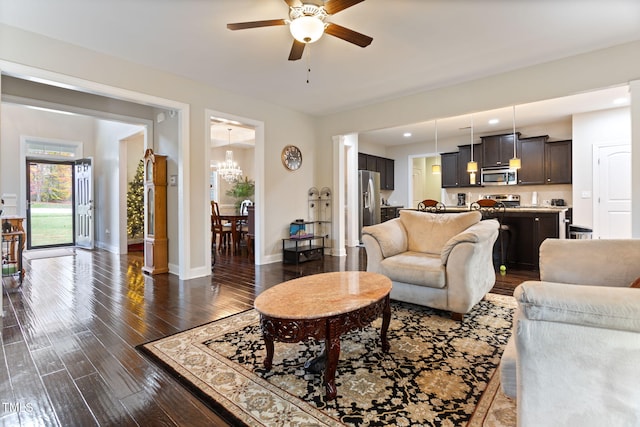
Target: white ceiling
526 115
417 44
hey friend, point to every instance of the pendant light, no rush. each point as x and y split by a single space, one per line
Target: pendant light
435 168
472 166
229 170
515 162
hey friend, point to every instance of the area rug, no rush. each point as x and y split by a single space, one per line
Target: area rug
439 372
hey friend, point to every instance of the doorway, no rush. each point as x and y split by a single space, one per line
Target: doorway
50 204
612 191
59 203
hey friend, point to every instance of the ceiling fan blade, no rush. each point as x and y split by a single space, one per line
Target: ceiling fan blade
293 3
296 50
255 24
334 6
348 35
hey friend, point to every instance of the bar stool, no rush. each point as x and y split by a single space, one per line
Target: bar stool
492 209
430 205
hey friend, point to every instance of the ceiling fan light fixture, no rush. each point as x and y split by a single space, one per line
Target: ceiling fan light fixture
307 29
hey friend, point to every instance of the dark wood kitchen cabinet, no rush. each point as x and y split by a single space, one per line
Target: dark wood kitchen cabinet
362 161
386 168
390 180
531 152
497 150
449 169
558 162
464 157
528 231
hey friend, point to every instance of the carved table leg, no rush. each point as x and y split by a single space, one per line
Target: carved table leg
332 348
386 319
268 361
268 343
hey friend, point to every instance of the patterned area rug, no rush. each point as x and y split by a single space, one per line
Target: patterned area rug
439 372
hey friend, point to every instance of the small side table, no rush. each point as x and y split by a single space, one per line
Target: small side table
297 250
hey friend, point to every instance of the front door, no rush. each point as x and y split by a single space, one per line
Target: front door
83 189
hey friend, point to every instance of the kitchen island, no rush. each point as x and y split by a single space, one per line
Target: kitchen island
529 226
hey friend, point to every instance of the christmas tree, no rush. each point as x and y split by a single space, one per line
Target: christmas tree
135 204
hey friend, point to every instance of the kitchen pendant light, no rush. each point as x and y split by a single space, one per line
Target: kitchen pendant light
472 166
435 168
515 162
229 170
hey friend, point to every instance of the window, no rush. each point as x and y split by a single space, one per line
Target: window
50 149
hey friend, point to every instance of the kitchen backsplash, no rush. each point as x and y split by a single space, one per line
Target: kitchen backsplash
546 193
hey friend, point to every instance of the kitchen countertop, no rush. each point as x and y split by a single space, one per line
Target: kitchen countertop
540 209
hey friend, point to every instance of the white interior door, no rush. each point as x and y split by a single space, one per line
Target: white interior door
418 186
83 189
612 191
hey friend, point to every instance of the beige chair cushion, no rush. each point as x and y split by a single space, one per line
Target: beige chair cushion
429 232
416 268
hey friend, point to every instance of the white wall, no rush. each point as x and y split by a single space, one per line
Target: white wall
589 129
106 179
135 153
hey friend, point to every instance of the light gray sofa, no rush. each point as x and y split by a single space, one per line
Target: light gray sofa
574 358
442 261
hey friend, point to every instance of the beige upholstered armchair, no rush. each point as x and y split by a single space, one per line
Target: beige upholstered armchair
442 261
574 358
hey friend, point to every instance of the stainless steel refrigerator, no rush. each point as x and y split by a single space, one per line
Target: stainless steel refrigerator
369 199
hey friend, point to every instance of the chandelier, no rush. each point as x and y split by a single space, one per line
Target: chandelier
229 170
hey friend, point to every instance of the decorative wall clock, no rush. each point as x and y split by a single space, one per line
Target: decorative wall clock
291 157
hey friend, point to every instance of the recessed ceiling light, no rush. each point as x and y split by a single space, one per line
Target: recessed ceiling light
494 121
620 101
406 134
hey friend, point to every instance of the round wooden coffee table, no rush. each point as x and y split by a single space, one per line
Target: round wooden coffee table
324 306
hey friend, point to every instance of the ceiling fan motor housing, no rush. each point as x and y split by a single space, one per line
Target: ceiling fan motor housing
307 22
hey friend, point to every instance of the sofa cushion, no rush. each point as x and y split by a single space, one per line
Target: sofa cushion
390 235
429 232
416 268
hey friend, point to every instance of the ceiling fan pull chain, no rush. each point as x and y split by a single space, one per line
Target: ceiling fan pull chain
308 62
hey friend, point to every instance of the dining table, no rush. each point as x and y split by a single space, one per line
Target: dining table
235 221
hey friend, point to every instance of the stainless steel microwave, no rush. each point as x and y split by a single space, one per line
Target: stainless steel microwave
499 176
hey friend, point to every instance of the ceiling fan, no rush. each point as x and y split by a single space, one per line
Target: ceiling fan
307 24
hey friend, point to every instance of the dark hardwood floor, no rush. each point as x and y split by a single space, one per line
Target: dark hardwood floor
69 335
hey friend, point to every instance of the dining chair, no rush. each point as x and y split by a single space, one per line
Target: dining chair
430 205
242 224
221 233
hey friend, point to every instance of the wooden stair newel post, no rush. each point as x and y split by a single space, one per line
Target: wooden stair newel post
156 258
